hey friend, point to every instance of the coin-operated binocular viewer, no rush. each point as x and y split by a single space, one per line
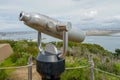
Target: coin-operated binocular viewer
51 62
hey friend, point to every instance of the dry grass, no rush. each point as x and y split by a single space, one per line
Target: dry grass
22 74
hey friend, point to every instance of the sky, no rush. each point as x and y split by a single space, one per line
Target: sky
83 14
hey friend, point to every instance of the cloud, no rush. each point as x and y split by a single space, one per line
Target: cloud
84 12
117 17
91 13
112 20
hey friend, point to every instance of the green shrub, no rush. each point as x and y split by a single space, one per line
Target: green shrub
116 67
78 74
103 59
3 75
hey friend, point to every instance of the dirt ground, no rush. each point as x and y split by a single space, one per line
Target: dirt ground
22 74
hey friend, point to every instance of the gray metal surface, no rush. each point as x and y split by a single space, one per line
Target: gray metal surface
47 57
51 26
40 41
65 44
50 48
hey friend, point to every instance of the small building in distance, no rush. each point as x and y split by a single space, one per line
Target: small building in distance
5 51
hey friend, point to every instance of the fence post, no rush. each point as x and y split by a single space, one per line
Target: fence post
30 68
91 68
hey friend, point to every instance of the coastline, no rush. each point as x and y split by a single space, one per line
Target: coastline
95 32
102 32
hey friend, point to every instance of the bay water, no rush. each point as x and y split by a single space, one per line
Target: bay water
110 43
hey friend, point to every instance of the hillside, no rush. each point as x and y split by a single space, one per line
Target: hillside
77 55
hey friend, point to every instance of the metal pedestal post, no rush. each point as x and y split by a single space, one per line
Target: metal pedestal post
50 63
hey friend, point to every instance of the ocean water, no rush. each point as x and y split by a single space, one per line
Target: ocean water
108 42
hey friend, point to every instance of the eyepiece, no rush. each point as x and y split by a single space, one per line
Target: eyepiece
24 16
21 16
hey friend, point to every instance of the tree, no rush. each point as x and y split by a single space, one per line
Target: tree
117 52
